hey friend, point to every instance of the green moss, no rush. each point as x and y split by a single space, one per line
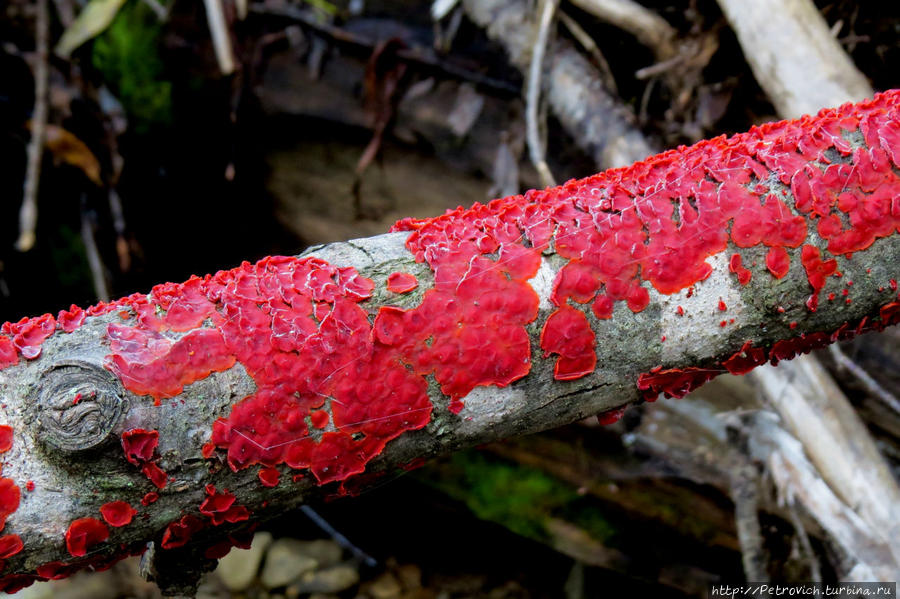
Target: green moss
519 498
127 56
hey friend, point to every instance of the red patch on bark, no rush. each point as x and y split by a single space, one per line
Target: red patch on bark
735 265
746 359
139 445
568 334
611 416
675 382
85 533
178 533
156 474
9 499
117 513
269 477
6 438
220 508
10 545
401 282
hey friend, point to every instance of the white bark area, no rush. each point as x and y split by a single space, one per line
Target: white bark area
794 56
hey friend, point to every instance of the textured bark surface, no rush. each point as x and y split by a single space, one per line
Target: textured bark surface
73 386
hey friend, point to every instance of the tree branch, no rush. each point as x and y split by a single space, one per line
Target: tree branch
236 396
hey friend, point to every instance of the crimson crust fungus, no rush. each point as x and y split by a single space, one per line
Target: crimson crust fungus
338 375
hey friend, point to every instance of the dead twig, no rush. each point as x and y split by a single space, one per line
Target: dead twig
221 38
815 571
95 262
29 211
161 12
591 47
414 55
871 386
547 10
648 27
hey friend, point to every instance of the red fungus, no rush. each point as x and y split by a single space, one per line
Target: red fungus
139 445
29 485
178 533
319 418
269 477
117 513
149 498
778 262
6 438
9 499
735 265
568 333
85 533
674 382
817 270
611 416
746 359
10 545
401 282
30 333
156 474
71 319
220 508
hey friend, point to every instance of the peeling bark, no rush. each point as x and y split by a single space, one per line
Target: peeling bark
216 348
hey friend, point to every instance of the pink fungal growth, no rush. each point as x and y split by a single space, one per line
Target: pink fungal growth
8 355
29 334
117 513
71 319
568 334
401 282
83 534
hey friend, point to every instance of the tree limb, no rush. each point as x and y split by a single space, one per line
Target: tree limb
249 392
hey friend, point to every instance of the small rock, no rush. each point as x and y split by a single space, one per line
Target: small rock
325 551
238 569
286 561
410 576
385 586
332 580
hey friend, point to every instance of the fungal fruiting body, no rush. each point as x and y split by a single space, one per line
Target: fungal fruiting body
337 377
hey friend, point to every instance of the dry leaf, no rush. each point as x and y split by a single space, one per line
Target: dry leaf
91 21
68 149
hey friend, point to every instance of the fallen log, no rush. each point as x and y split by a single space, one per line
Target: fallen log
167 422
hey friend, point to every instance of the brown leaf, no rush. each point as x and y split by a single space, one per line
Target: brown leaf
68 149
